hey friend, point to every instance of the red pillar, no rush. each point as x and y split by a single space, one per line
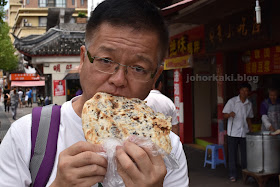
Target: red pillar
220 99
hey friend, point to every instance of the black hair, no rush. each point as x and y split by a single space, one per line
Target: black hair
137 14
160 79
273 90
245 85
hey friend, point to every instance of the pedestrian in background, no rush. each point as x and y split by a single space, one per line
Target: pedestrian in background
6 94
160 103
239 112
14 102
20 94
26 98
270 111
29 94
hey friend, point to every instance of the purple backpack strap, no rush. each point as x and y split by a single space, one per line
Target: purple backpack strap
44 135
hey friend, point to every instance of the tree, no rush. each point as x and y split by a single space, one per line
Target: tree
8 61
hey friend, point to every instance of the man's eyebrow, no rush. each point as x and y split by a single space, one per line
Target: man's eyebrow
107 49
145 59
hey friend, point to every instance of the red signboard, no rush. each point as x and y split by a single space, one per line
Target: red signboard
24 77
187 43
59 87
262 61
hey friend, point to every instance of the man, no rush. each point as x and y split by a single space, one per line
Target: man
6 99
14 102
239 112
160 103
29 94
270 111
130 32
20 93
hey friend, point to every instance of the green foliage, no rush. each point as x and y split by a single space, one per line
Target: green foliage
8 61
3 2
82 15
2 12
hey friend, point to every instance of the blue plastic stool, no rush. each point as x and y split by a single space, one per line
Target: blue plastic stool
215 155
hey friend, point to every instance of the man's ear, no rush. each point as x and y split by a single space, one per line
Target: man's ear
82 57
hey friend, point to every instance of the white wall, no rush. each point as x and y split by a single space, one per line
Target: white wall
59 75
92 4
64 62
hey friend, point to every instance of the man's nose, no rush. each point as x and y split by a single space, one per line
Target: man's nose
119 77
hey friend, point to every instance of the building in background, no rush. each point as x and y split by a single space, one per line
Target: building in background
29 17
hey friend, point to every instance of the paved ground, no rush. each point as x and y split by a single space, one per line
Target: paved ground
199 176
6 117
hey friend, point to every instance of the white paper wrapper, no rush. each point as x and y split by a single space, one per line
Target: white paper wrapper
112 178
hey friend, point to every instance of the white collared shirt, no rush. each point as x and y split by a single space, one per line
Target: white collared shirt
237 126
160 103
15 150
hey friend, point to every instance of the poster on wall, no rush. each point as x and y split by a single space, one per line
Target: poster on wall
59 87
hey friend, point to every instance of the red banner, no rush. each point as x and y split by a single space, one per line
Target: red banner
262 61
59 87
178 100
24 77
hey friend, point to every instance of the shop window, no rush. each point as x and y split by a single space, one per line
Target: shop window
60 3
42 3
42 21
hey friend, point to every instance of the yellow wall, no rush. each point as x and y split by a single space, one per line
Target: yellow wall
17 14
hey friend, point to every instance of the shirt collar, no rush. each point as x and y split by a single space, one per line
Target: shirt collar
277 101
238 100
155 91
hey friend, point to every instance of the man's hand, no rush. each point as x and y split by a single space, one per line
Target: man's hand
232 114
80 165
138 167
228 115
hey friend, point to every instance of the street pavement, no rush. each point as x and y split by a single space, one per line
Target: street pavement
199 175
6 118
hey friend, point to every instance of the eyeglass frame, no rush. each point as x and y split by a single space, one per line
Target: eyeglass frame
91 59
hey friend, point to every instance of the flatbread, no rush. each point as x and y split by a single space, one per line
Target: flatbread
105 116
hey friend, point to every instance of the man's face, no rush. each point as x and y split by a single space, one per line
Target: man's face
244 92
273 96
124 45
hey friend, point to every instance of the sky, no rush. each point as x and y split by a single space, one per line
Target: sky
7 5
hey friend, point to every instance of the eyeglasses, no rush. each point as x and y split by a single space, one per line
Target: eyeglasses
105 65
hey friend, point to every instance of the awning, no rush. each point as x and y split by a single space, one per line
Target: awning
176 7
72 74
27 83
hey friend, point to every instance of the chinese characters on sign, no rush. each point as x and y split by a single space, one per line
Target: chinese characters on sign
24 77
177 62
183 45
180 46
263 61
59 87
233 30
58 68
177 91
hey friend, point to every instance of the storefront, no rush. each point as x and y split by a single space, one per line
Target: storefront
229 32
187 58
24 81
